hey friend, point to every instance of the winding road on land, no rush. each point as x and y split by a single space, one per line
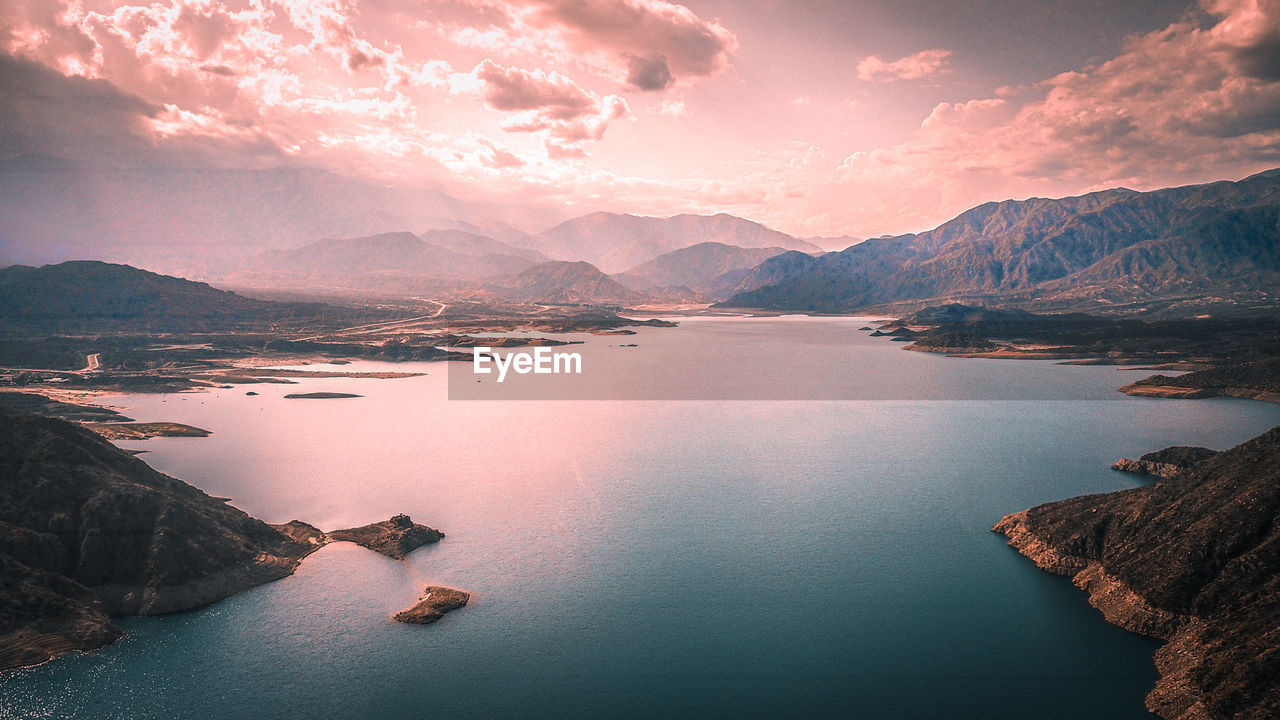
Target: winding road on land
387 325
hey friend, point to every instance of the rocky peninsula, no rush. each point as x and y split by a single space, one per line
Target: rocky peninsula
1192 559
88 532
1165 463
1256 379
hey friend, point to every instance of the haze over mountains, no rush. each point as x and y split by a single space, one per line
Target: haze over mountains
615 243
378 260
204 221
458 258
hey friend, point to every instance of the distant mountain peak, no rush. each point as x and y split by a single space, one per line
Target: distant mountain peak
616 242
562 281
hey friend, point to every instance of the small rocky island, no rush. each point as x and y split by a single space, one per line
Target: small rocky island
88 532
435 602
1192 559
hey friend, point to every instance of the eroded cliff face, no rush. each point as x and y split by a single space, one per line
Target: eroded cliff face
88 531
1193 559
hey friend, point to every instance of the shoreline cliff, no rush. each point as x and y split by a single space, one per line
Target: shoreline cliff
1194 560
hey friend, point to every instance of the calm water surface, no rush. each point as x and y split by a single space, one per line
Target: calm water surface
686 558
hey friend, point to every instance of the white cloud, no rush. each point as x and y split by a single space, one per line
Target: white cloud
923 64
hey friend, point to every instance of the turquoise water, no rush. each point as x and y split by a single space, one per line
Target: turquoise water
679 558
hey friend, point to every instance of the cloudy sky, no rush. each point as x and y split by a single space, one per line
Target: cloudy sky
816 117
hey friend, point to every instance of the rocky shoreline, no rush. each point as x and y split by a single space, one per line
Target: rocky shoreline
89 532
1192 559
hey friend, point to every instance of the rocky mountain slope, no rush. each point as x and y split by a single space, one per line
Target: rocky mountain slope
707 267
566 283
1194 560
1114 246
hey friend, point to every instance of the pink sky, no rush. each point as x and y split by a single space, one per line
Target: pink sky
817 118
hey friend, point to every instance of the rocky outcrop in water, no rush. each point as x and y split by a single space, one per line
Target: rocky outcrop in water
394 538
1194 560
435 602
88 531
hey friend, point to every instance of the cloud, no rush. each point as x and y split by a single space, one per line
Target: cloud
923 64
516 89
692 46
648 72
1189 103
671 108
26 25
644 44
549 103
1250 34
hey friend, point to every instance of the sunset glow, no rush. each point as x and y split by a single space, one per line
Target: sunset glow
822 118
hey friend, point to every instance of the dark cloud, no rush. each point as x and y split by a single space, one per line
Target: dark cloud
1260 59
690 45
515 89
551 104
91 122
43 112
358 60
648 72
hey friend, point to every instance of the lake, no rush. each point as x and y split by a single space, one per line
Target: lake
649 548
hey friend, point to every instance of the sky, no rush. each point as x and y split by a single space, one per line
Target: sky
859 118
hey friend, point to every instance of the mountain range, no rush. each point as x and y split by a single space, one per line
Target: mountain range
1111 248
1174 250
378 261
